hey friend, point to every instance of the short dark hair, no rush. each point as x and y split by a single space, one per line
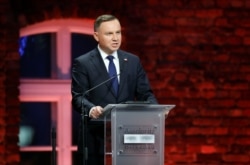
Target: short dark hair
103 18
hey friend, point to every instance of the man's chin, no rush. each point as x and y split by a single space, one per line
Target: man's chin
114 49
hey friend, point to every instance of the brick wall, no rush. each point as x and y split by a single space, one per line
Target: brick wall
9 81
196 54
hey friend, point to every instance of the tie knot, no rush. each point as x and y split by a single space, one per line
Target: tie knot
110 57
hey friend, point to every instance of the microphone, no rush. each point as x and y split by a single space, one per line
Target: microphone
84 110
93 88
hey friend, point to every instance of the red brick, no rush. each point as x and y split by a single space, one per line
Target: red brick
208 3
242 22
246 112
208 149
222 22
218 40
247 41
221 141
242 32
207 122
234 158
242 140
236 113
245 68
242 131
222 58
189 22
193 148
244 103
180 76
170 149
152 2
235 122
223 3
238 86
209 158
209 13
206 86
199 131
167 22
12 158
234 40
237 3
219 103
181 13
183 157
247 4
221 131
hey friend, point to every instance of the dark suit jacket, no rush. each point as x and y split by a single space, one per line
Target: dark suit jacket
89 70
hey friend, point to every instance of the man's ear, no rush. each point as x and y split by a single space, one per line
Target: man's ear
96 36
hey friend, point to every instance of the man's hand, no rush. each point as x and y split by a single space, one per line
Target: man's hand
95 112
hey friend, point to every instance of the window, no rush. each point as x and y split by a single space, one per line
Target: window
46 51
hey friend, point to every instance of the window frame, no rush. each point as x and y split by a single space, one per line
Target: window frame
56 89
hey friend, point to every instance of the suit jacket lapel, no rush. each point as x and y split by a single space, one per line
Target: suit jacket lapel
97 61
123 69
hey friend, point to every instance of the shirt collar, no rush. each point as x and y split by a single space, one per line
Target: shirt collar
104 55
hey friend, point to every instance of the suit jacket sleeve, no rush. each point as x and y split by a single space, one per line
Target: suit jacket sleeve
143 88
79 85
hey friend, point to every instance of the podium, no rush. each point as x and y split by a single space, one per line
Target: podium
134 133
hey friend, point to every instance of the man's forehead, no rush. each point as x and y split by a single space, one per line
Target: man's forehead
109 27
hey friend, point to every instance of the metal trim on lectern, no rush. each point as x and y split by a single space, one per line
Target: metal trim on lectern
135 133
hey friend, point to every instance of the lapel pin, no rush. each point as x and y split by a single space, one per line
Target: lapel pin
125 59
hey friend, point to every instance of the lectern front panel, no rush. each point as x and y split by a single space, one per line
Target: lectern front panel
137 136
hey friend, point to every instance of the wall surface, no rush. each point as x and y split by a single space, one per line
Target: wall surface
196 54
9 81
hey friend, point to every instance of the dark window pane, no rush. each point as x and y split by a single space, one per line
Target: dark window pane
81 43
76 158
35 125
35 158
76 118
35 52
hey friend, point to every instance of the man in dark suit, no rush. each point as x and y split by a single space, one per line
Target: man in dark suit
128 82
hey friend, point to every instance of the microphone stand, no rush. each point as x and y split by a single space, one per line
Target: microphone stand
84 131
53 141
84 116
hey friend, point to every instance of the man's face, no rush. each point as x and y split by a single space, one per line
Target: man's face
109 37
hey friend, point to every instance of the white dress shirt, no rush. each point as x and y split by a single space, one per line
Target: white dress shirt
106 61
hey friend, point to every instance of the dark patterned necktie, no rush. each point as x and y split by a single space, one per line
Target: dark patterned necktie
113 73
